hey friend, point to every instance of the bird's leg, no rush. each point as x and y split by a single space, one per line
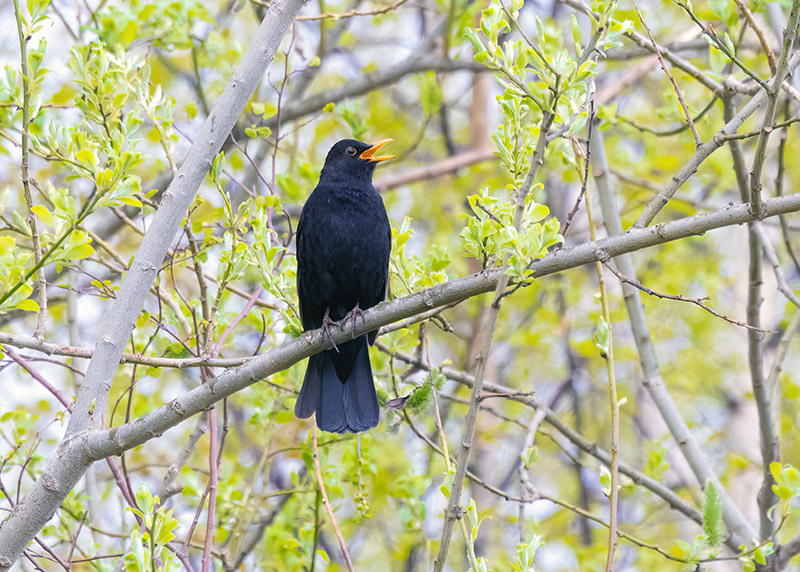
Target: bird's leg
353 315
326 327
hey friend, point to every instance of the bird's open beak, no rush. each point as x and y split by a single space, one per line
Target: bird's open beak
369 154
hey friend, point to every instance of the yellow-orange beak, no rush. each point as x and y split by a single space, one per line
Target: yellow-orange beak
369 154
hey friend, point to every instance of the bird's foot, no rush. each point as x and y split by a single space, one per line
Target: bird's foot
353 315
326 328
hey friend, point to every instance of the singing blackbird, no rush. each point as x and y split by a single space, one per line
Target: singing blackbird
343 245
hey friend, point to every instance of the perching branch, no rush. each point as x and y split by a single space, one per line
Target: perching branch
77 452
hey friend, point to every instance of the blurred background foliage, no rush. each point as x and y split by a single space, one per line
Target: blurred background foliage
116 91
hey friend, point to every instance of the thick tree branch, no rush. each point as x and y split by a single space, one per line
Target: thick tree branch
769 443
115 440
65 469
367 83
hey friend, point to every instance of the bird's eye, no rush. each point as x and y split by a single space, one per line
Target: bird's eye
351 151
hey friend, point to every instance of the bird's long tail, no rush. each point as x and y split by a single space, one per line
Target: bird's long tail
341 406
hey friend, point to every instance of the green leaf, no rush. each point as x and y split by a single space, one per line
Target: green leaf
28 305
87 158
79 252
44 215
191 109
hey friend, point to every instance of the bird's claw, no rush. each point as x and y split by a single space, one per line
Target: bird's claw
326 328
353 315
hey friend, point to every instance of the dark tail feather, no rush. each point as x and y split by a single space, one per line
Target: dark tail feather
351 406
360 400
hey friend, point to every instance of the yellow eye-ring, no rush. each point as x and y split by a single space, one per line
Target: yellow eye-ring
351 151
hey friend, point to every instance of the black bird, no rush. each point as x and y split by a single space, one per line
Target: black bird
343 245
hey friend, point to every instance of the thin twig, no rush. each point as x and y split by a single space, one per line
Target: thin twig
587 155
739 136
751 21
213 481
608 356
41 318
38 377
680 298
321 482
684 107
773 91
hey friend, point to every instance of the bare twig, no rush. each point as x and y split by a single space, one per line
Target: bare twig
684 107
321 482
38 377
696 301
757 133
587 156
213 481
748 15
170 484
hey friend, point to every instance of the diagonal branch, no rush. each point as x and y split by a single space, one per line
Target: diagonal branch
769 443
652 380
704 151
115 440
65 469
789 35
452 512
675 87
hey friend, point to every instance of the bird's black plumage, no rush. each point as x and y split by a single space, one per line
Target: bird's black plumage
343 246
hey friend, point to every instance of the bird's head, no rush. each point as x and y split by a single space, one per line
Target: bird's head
351 158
